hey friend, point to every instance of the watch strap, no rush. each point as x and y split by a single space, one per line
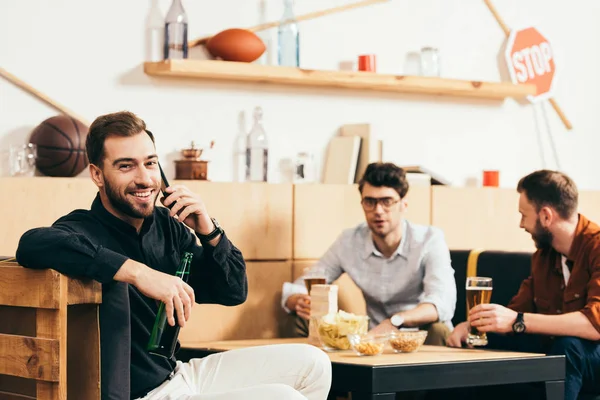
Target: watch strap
519 324
216 232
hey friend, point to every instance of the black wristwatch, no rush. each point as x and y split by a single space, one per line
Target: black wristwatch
519 326
216 232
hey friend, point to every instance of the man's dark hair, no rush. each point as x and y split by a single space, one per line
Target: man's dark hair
545 188
385 174
122 123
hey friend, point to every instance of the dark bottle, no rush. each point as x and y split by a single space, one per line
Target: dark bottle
163 338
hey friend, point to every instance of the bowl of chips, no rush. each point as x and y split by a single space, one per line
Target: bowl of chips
334 328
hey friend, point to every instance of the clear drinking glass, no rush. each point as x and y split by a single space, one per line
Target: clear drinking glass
21 159
479 291
430 61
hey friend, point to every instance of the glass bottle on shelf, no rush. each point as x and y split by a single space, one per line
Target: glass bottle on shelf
176 32
163 338
257 150
239 149
155 33
289 37
265 35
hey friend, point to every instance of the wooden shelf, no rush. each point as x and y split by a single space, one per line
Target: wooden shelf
369 81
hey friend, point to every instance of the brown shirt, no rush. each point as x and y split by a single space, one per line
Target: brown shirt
544 292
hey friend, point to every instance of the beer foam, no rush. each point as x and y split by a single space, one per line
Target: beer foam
479 288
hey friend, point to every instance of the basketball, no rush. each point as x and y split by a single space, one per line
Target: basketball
60 142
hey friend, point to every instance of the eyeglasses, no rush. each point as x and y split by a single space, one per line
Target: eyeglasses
370 203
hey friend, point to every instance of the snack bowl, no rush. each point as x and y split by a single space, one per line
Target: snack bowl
407 341
333 329
368 345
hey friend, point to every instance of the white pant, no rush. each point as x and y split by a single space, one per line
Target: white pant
278 372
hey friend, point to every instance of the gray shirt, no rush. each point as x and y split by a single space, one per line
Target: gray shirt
420 271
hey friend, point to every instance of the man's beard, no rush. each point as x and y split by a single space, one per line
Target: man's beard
541 236
127 207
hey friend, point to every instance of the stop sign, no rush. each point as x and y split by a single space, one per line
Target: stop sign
530 59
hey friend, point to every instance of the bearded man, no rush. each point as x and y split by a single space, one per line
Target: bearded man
557 308
133 248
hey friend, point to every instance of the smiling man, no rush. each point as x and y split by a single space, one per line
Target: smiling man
557 309
133 248
403 269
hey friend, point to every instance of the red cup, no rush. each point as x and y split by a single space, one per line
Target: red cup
367 62
491 178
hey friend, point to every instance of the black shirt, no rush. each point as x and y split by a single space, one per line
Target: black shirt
95 244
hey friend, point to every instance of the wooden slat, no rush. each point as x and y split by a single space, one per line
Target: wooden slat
257 217
52 324
368 81
83 353
84 291
322 212
29 357
24 287
36 294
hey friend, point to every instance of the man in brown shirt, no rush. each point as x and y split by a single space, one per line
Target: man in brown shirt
560 301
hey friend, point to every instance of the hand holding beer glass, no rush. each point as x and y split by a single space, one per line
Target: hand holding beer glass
479 291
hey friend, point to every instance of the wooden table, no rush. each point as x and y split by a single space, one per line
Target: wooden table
432 367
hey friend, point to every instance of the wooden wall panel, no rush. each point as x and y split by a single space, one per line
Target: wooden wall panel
589 205
323 211
260 317
485 218
27 203
489 218
256 216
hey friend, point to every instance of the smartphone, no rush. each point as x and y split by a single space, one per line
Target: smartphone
164 183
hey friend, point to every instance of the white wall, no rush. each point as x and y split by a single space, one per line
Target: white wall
88 55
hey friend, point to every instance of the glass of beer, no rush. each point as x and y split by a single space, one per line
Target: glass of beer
312 278
479 291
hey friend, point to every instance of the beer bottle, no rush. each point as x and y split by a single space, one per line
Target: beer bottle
163 338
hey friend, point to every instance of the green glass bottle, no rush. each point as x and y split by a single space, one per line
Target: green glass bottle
163 338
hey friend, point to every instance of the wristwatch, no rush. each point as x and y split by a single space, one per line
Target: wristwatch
216 232
519 326
397 320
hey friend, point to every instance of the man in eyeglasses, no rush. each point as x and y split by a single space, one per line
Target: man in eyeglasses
403 269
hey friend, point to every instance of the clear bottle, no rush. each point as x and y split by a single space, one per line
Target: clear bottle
176 32
289 37
239 149
257 150
265 35
155 33
163 339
